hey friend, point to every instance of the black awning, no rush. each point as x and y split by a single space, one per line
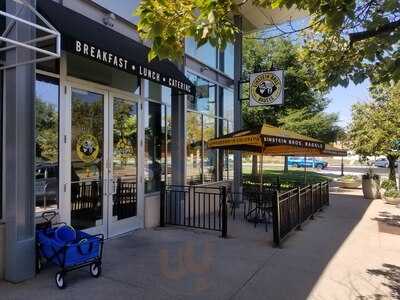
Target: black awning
85 37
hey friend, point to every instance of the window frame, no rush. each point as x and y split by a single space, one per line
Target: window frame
55 77
218 118
166 105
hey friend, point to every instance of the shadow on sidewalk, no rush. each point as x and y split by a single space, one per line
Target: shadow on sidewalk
297 267
392 275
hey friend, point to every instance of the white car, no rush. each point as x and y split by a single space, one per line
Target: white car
383 163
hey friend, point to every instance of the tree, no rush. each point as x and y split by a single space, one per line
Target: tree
304 105
375 128
320 125
349 39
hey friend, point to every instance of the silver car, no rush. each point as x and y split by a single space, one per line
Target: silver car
383 163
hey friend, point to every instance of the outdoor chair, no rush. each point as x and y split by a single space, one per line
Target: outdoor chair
259 206
233 205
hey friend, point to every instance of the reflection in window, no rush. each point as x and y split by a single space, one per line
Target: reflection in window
205 95
87 158
124 159
153 140
207 53
210 156
47 118
227 104
157 138
194 147
166 124
228 157
227 64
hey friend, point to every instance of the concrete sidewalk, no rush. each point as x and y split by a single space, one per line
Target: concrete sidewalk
350 251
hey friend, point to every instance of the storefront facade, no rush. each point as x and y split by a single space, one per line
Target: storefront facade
110 127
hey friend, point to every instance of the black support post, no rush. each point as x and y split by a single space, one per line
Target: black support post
299 210
276 220
224 213
162 204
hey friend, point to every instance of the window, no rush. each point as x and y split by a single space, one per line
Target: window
194 143
207 53
205 95
47 152
227 62
227 109
157 138
210 156
202 124
153 150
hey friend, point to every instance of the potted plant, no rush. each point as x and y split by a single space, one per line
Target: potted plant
349 182
392 196
387 185
370 185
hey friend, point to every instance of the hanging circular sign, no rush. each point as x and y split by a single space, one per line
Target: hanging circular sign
266 88
87 148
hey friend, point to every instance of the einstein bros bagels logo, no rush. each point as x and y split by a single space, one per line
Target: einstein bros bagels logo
266 88
87 148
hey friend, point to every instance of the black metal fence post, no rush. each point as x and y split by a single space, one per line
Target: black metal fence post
312 202
299 209
224 213
276 220
320 197
327 194
162 204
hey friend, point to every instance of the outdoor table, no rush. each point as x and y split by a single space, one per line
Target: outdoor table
259 208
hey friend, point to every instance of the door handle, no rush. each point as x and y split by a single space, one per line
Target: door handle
114 187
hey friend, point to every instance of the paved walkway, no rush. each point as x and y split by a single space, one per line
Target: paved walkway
350 251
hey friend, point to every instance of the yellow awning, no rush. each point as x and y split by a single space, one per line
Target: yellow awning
274 141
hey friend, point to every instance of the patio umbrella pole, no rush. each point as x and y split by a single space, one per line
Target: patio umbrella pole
262 171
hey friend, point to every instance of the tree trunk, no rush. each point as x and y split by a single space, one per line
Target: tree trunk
254 167
286 167
392 168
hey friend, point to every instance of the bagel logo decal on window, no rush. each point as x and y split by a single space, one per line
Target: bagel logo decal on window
266 88
87 148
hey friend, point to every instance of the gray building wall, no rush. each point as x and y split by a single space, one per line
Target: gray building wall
18 155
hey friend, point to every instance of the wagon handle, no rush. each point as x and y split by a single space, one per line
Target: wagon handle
48 216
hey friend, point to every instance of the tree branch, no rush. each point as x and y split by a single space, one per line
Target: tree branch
363 35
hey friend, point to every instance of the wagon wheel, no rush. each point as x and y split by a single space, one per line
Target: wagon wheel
95 269
60 280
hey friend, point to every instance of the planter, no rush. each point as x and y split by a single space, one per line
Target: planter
370 188
392 200
349 184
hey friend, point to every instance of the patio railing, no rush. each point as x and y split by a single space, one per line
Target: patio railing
194 206
294 207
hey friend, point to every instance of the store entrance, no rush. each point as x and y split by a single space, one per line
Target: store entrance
103 149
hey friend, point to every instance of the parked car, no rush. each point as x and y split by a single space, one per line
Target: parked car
383 163
310 162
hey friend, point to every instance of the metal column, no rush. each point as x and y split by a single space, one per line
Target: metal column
178 155
237 180
19 152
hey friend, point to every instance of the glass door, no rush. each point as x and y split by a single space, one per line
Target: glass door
88 177
123 168
102 157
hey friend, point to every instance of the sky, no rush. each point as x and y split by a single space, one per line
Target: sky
343 98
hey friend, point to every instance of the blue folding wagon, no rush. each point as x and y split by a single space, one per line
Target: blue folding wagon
69 249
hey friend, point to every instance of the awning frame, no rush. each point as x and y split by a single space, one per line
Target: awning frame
52 33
